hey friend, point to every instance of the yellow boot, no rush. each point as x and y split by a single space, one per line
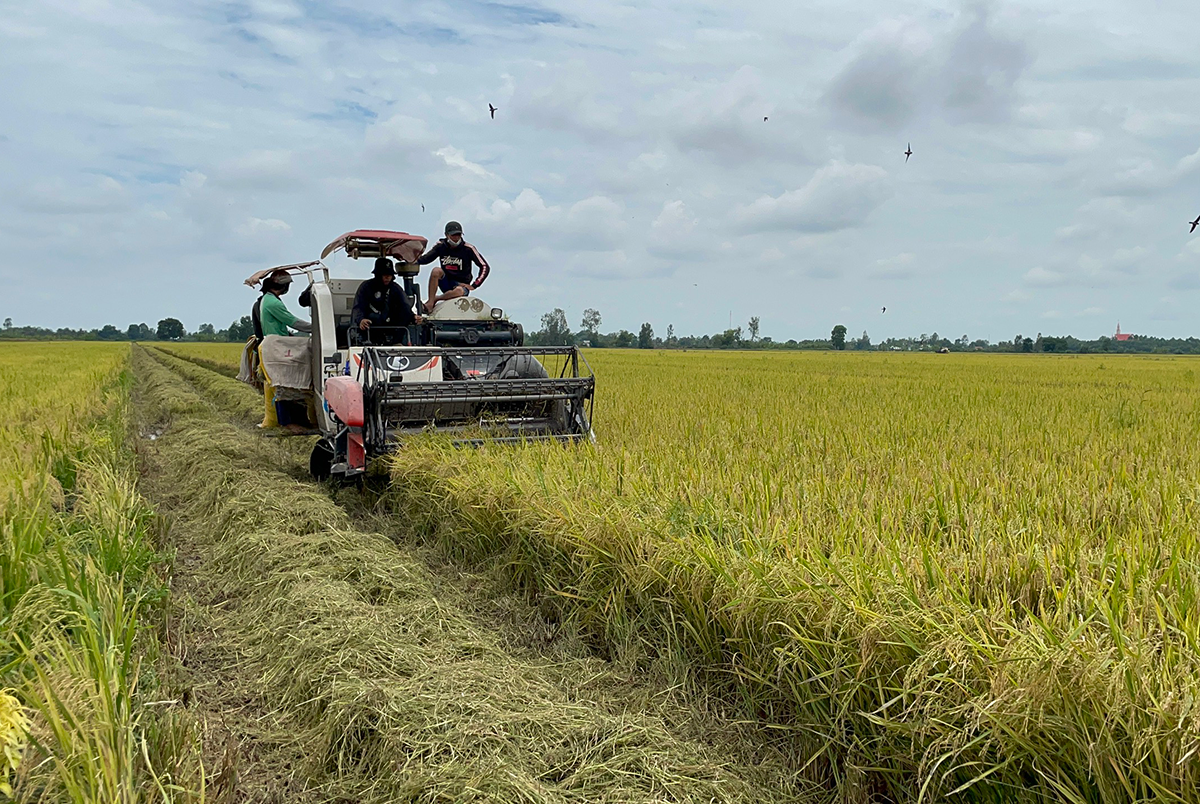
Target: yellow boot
270 419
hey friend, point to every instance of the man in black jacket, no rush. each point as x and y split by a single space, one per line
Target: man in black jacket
453 276
381 302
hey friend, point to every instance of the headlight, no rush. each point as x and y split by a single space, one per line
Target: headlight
497 314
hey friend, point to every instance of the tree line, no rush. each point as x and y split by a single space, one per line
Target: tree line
168 329
556 331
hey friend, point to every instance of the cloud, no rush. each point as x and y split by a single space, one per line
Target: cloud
595 223
901 69
674 233
725 119
1144 177
901 266
838 196
1114 269
260 226
267 170
406 146
95 195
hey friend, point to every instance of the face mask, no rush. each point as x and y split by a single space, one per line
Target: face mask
456 240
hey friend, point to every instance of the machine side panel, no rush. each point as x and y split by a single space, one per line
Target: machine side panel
344 397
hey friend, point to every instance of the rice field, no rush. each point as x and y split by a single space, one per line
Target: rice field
933 577
77 573
947 575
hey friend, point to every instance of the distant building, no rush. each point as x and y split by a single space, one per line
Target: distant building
1120 336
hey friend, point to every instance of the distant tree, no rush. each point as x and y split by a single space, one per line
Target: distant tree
838 337
170 329
109 333
1027 345
864 342
753 327
8 323
591 321
646 336
670 334
241 330
206 329
139 332
624 340
554 331
728 339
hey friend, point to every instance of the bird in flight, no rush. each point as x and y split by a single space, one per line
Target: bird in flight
764 119
492 109
1194 224
908 153
885 309
422 207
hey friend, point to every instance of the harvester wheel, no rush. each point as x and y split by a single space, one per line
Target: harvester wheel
321 460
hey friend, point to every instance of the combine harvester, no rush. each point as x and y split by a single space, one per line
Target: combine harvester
464 370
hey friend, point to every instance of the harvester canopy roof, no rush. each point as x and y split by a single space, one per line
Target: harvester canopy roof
259 276
379 243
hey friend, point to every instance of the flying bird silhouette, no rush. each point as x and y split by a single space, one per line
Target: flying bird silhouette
908 153
492 109
1194 224
764 119
885 309
422 207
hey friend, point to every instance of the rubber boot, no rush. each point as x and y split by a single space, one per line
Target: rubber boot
270 418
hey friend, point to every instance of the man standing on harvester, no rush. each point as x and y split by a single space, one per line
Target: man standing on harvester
453 276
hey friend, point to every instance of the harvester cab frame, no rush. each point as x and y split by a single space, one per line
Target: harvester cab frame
465 370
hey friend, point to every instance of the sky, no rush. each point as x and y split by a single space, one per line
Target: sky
690 164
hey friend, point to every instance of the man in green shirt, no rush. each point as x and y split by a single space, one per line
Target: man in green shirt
271 316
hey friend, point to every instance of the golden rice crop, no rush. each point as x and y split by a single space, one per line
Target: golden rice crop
49 389
75 574
952 572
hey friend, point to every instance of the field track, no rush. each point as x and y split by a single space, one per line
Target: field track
325 661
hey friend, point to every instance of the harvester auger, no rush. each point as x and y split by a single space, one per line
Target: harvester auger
465 370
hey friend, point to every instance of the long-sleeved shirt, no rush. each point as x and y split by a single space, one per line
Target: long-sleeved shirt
382 304
457 261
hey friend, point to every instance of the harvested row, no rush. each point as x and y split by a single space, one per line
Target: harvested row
212 356
362 677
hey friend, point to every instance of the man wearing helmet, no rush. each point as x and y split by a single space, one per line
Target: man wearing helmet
453 275
381 302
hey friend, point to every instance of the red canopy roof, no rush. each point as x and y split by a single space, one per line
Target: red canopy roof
379 242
